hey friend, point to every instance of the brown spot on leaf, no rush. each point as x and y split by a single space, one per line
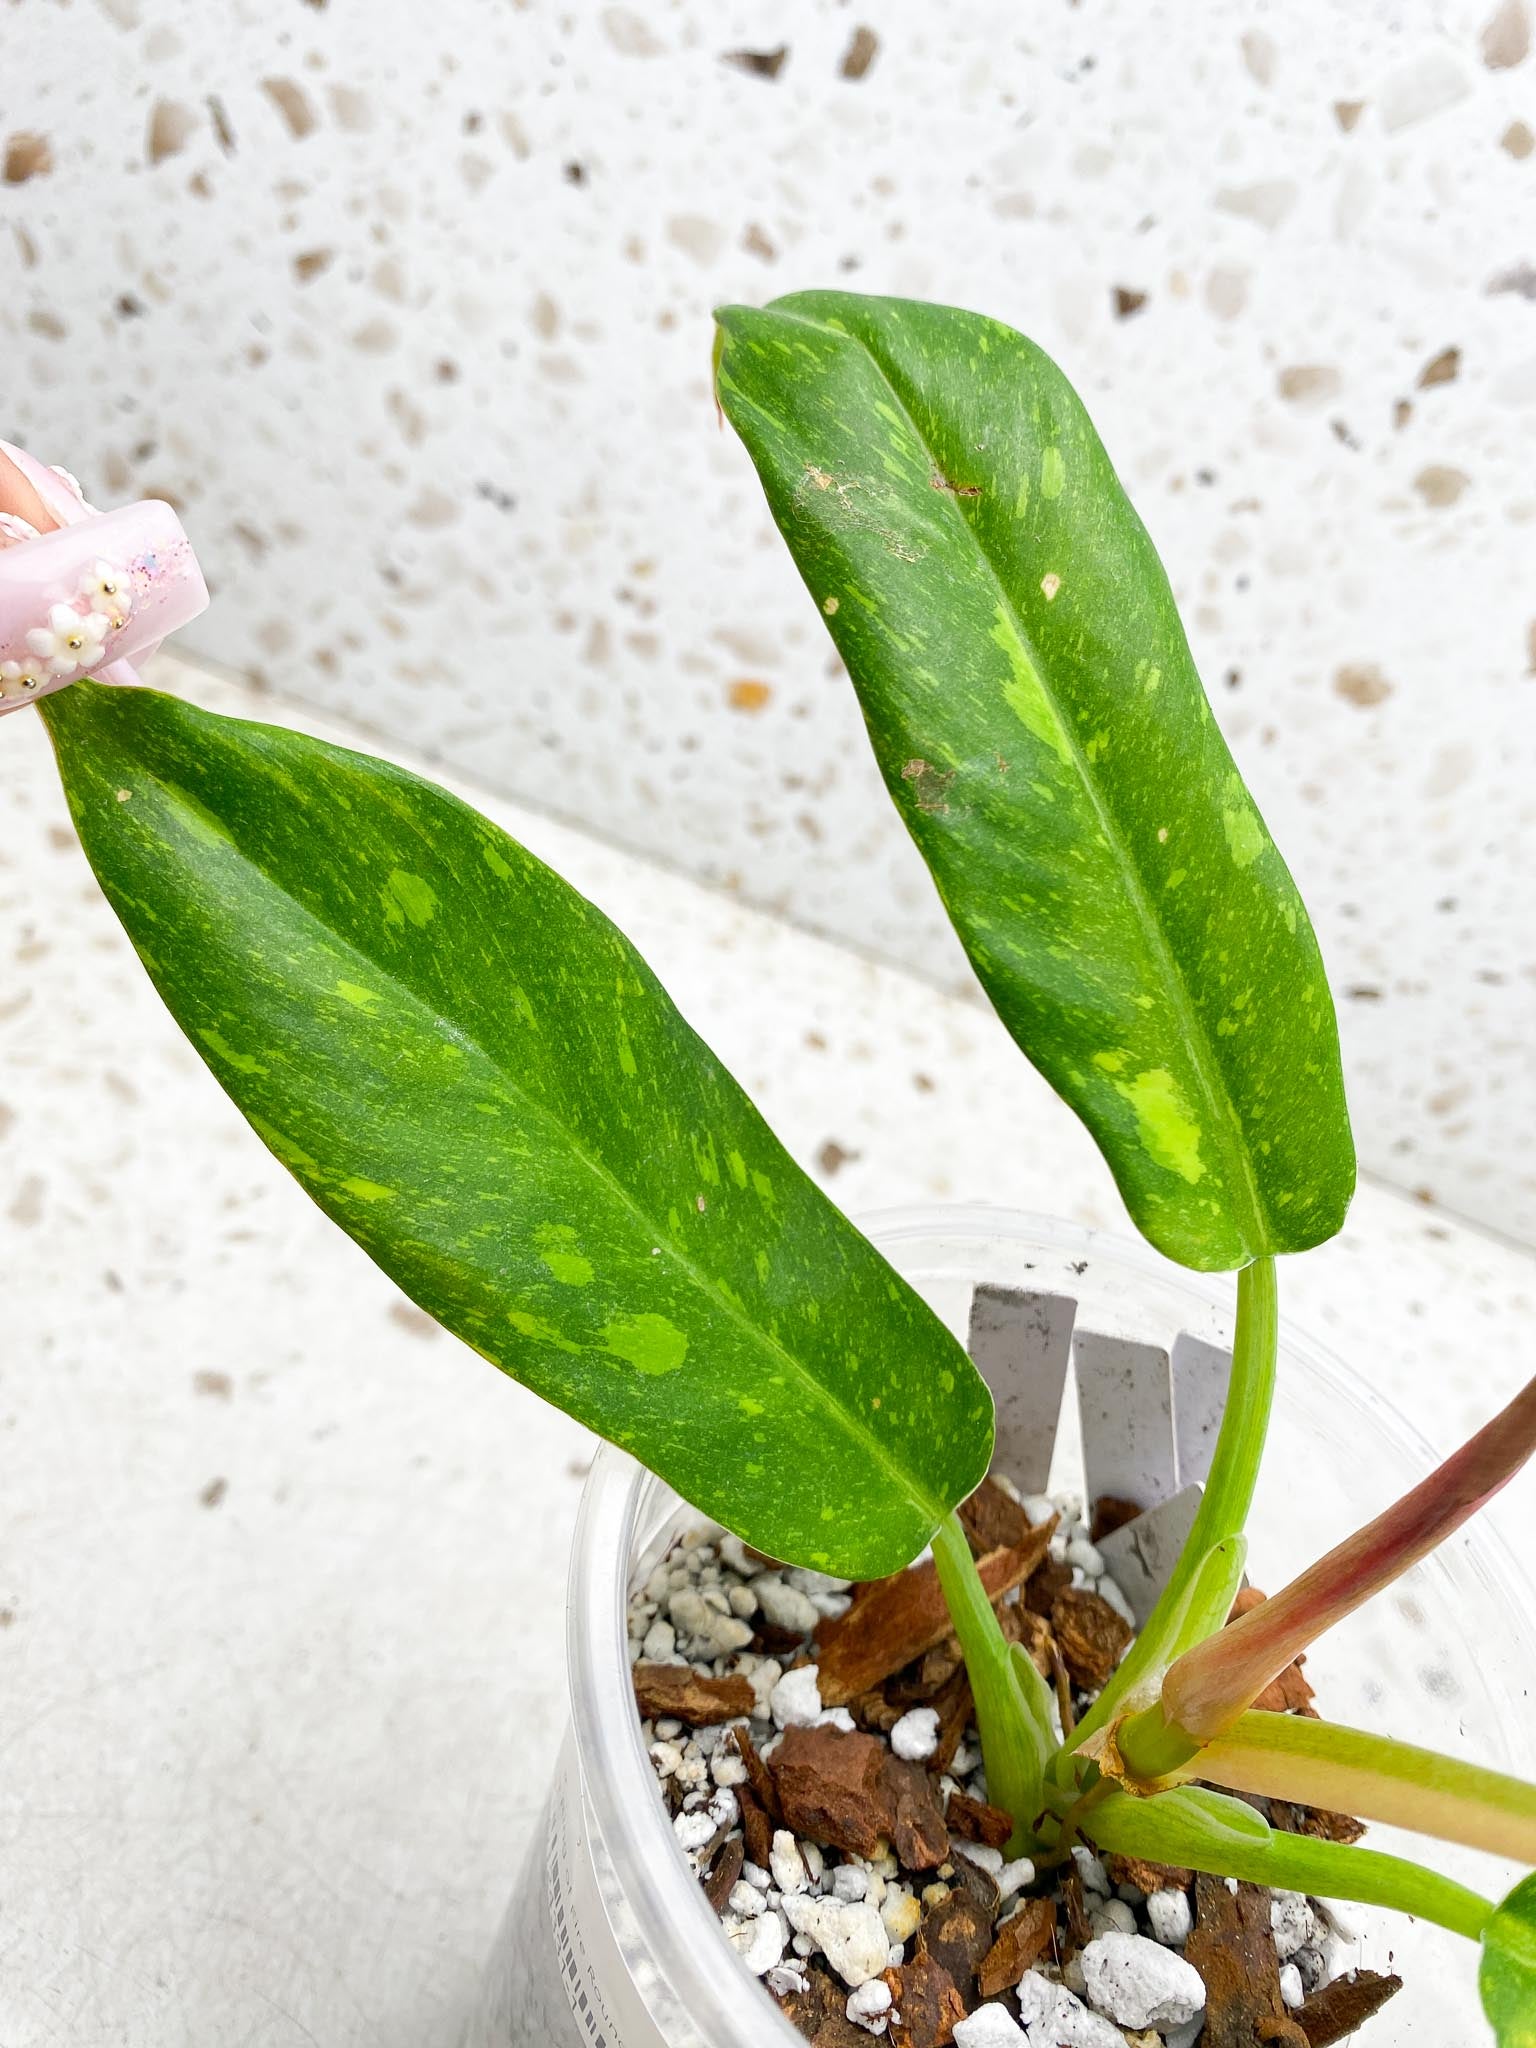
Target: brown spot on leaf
1362 683
930 784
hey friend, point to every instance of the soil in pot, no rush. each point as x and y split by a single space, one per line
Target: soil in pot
814 1744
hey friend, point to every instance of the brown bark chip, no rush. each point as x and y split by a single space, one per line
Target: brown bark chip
1147 1877
820 2013
925 2003
832 1787
756 1826
1020 1624
916 1820
1333 2013
673 1689
1079 1929
759 1777
1111 1512
957 1932
724 1872
1234 1950
1320 1822
992 1519
978 1822
953 1707
1045 1583
901 1618
1091 1636
1022 1942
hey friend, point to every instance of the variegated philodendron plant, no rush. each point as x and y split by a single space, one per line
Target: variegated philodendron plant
480 1080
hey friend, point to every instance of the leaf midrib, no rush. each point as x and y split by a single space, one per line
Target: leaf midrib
760 1337
1189 1015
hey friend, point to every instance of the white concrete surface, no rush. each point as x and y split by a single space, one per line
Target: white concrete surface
407 307
280 1567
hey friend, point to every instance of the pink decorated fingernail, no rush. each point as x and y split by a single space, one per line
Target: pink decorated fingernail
83 592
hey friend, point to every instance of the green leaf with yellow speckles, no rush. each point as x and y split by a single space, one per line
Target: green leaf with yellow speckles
1507 1975
1038 719
478 1077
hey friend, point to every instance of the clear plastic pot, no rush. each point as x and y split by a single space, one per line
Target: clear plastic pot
610 1943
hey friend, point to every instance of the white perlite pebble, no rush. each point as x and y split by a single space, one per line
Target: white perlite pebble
760 1943
787 1978
983 1855
850 1937
712 1633
1292 1990
868 2006
786 1863
1014 1876
988 2027
916 1735
1171 1917
1140 1983
795 1701
693 1830
1086 1556
1095 1877
660 1641
1294 1922
745 1900
1112 1916
900 1914
1053 2018
850 1883
785 1606
836 1717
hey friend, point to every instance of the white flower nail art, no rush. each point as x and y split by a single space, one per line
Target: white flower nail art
106 589
19 678
71 640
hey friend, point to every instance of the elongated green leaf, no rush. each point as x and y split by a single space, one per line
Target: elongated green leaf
1207 1831
1507 1976
477 1076
1039 722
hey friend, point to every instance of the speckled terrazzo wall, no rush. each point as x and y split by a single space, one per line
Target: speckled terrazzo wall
406 307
